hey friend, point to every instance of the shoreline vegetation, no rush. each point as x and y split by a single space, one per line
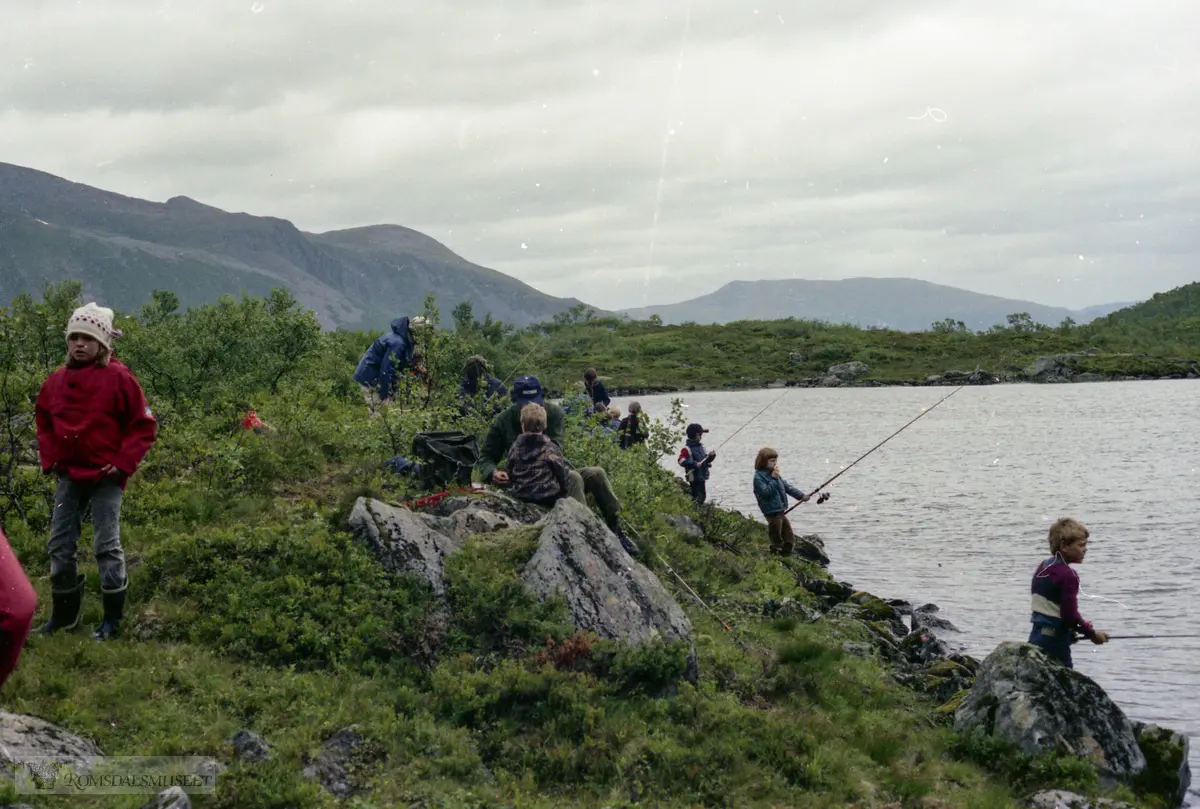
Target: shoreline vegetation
299 652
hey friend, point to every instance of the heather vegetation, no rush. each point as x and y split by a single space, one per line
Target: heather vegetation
252 606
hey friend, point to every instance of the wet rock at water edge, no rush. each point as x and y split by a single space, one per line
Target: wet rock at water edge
1167 772
926 617
1023 696
812 548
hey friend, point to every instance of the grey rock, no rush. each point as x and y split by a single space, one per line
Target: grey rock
790 608
686 526
467 522
1168 772
605 590
795 358
332 765
925 618
1052 368
1025 697
173 798
858 649
849 371
249 746
28 737
495 502
829 381
1090 376
1061 799
402 542
812 548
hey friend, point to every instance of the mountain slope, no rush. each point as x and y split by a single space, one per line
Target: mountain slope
121 248
899 303
1179 303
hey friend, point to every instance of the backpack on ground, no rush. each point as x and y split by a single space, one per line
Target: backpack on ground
446 456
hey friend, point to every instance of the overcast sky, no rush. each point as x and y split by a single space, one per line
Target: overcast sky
629 152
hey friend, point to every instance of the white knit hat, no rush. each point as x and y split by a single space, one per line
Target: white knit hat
94 321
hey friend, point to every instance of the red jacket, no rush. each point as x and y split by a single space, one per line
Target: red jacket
90 417
17 604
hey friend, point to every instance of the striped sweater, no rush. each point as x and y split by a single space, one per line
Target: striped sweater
1055 591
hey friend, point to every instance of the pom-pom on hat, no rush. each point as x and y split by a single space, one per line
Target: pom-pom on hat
94 321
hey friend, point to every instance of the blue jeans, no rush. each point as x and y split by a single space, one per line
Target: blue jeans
70 500
1054 641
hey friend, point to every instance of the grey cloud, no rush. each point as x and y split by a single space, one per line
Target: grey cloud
803 140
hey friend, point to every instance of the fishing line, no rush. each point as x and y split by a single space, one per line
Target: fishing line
755 416
877 446
694 594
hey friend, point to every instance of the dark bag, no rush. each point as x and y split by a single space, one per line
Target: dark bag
446 456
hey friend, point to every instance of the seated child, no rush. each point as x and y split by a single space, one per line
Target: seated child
1055 590
537 471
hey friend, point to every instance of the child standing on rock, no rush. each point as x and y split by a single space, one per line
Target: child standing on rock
771 491
1055 591
94 428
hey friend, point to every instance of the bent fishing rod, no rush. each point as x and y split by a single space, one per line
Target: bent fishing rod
755 416
877 446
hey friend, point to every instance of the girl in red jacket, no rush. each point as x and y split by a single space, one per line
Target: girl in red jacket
94 428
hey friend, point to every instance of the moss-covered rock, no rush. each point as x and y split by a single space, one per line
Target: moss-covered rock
1167 772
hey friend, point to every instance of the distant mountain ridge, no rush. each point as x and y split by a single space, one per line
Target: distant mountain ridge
906 304
121 248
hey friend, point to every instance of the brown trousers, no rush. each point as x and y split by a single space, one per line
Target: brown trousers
780 531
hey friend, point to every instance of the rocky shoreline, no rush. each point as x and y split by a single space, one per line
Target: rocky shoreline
1016 694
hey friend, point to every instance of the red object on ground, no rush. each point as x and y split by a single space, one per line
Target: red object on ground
18 602
252 421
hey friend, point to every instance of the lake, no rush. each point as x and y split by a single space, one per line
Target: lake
955 509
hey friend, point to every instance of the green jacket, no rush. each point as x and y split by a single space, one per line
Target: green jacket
504 431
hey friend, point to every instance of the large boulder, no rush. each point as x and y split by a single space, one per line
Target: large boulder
27 737
605 590
1167 770
1022 695
1052 368
850 371
403 542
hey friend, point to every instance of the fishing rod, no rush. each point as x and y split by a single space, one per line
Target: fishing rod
752 418
1146 637
877 446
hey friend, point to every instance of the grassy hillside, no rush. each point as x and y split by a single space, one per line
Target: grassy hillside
1145 340
252 607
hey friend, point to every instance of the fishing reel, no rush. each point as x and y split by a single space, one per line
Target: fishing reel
822 497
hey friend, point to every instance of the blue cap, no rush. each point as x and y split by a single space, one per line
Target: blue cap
527 389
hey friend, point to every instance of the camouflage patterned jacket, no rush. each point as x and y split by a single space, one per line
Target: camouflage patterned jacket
537 471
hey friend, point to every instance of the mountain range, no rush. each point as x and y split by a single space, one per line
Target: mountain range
121 248
906 304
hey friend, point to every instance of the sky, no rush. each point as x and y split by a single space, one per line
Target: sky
631 153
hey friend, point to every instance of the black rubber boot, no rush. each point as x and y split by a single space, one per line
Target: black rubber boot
68 606
114 611
628 544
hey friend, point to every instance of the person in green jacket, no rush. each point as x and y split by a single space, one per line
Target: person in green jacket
505 430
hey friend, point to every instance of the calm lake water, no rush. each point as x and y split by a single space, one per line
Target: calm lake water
955 509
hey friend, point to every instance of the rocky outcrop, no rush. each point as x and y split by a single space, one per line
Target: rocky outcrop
926 617
494 502
334 765
976 377
1056 368
27 737
1041 706
850 371
403 542
1059 799
1167 770
605 590
686 526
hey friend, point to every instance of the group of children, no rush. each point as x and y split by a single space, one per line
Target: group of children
95 427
